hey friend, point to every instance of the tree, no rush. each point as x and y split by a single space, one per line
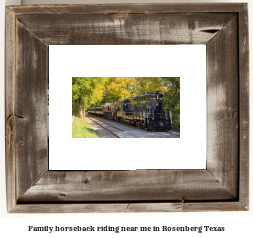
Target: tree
115 89
83 92
142 85
172 98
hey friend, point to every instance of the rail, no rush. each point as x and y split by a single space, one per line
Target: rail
108 127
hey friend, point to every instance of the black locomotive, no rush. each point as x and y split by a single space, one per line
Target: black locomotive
144 111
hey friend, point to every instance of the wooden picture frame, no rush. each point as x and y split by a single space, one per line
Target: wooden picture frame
222 186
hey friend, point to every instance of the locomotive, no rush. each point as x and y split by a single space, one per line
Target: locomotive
144 111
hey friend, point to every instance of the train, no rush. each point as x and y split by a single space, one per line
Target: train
143 111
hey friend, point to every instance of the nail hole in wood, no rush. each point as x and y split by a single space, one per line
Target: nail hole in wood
183 199
61 195
86 181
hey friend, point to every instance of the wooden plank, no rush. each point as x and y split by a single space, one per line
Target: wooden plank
128 207
244 106
222 107
9 108
140 185
186 207
129 8
70 208
114 29
30 109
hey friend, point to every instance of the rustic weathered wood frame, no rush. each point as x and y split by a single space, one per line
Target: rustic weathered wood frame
222 186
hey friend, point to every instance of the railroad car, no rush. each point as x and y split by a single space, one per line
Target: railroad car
144 111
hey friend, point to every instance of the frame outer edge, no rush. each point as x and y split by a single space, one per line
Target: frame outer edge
10 71
146 8
244 106
128 207
10 60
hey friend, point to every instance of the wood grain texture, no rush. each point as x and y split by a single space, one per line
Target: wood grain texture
129 8
222 107
186 207
122 29
129 207
30 109
244 106
223 186
139 185
9 108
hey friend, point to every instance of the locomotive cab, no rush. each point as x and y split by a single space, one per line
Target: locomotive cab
157 119
155 102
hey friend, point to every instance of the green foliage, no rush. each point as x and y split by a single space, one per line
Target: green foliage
81 129
175 123
114 89
171 99
75 110
83 92
142 85
84 88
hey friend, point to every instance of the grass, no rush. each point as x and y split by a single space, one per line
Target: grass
81 129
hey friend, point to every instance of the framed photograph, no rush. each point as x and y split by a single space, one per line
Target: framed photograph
32 32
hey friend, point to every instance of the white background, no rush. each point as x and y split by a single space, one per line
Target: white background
238 224
185 61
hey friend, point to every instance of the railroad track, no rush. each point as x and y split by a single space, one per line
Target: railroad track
114 131
120 123
135 127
